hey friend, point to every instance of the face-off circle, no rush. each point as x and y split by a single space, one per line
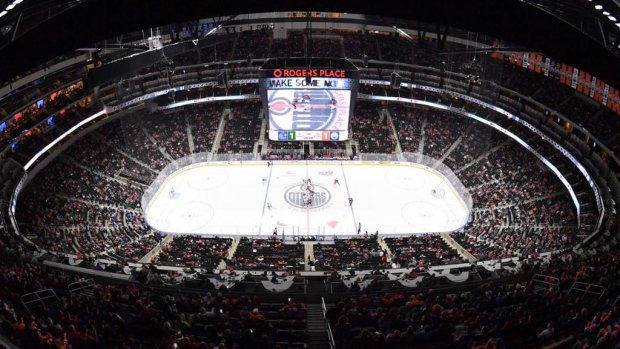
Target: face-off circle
421 214
190 217
401 178
215 178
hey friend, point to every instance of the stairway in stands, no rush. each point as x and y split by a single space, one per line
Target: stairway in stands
317 327
229 255
308 254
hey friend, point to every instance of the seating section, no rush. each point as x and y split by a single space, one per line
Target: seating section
350 254
91 204
169 131
150 319
217 53
131 136
242 128
329 151
422 250
372 131
253 44
104 158
136 250
476 143
293 46
408 123
204 121
193 251
442 132
30 116
268 254
401 319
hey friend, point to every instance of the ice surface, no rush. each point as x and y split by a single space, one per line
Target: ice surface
253 199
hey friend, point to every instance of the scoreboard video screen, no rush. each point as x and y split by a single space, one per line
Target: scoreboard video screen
308 104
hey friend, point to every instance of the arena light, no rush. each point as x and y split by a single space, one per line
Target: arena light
402 32
606 13
612 18
213 30
598 7
10 7
618 25
63 136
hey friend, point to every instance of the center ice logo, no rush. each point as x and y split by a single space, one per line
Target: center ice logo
307 196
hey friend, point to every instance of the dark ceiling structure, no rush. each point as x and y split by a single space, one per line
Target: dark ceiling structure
515 21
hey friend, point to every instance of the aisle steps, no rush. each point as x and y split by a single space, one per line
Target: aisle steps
317 327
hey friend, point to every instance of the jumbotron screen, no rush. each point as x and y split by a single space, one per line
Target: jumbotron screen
305 114
308 104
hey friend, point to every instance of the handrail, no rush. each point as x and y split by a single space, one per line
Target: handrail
330 335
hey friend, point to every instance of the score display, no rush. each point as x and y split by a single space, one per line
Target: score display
308 104
313 115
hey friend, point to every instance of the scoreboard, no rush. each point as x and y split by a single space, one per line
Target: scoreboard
309 104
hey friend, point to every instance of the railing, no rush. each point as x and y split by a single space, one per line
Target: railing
331 154
289 154
546 280
155 250
234 157
80 286
330 335
587 288
455 245
377 157
39 296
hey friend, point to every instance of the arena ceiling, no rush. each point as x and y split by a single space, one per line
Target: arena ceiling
516 21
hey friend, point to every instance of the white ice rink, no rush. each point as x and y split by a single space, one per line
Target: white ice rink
233 199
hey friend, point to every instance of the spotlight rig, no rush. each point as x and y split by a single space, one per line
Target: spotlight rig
473 79
164 66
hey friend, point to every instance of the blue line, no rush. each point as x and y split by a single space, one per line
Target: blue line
262 216
344 177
